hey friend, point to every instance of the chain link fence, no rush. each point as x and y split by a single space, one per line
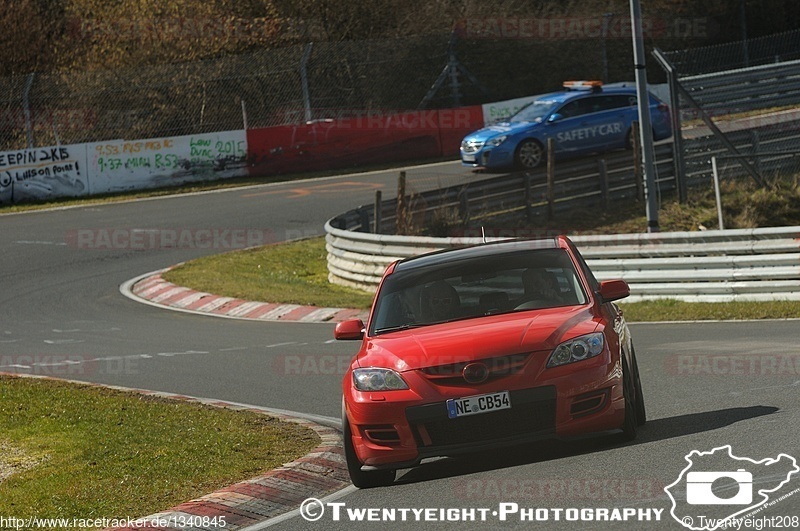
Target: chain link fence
301 83
735 99
776 48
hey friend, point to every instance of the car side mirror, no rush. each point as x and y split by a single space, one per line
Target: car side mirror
350 329
555 117
612 290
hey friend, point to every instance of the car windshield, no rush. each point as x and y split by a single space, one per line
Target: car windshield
533 112
476 287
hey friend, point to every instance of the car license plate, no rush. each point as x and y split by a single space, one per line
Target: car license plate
468 158
472 405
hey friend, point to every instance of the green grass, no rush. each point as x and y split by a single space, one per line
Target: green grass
94 452
674 310
295 273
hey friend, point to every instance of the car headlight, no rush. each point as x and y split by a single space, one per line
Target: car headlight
496 141
374 379
577 349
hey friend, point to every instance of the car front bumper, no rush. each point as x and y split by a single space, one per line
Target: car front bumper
398 429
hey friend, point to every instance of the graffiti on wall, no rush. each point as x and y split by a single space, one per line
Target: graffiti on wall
41 173
125 165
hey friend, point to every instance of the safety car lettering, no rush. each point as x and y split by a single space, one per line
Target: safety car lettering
590 132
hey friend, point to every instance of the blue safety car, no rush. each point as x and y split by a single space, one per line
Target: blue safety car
584 118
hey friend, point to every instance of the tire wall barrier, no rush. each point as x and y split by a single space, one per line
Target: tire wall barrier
707 266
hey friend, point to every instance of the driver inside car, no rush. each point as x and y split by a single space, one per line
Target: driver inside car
439 302
540 284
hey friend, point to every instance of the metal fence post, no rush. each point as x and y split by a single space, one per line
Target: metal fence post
27 109
304 81
551 175
638 174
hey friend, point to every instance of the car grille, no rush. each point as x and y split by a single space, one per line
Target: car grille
533 411
497 367
471 146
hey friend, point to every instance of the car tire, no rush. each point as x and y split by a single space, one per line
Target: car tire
641 413
529 154
629 140
629 394
360 478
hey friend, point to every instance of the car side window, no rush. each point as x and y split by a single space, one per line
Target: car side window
570 110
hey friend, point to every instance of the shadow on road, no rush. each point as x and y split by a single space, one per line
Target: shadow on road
654 430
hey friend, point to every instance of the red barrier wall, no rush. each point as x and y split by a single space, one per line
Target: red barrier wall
362 140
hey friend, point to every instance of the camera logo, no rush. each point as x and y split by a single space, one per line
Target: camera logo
700 488
716 487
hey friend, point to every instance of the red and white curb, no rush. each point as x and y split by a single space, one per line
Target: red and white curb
153 289
258 500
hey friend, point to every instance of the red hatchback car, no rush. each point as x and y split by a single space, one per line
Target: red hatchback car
483 347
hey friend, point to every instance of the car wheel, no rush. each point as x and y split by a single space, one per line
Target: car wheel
360 478
629 140
641 413
529 154
629 394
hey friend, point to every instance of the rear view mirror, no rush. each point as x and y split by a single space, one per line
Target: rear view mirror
555 117
350 329
612 290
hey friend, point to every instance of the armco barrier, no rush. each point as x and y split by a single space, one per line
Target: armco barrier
709 266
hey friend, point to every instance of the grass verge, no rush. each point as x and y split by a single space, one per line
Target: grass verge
101 453
296 272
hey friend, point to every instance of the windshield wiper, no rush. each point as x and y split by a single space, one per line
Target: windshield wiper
397 328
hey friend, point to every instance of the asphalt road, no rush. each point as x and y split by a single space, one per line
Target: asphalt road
706 385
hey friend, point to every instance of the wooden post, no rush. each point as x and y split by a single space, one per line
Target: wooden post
527 183
400 212
463 205
755 139
601 170
377 216
551 175
638 173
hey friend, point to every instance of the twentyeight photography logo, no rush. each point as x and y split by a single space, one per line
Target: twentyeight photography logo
719 490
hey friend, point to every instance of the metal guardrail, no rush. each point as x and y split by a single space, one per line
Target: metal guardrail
577 182
708 266
746 89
